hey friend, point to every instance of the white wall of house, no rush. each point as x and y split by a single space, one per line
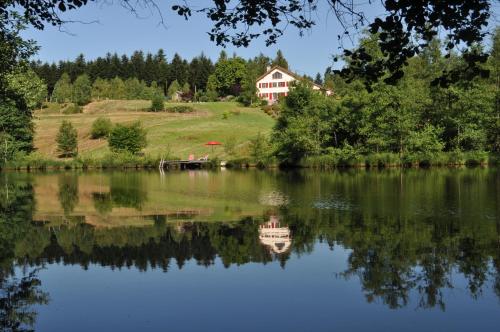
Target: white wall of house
275 84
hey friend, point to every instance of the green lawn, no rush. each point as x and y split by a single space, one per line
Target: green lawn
168 133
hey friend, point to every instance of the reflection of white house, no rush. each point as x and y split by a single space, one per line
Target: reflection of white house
272 235
275 83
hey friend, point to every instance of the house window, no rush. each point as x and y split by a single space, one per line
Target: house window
275 84
275 95
281 84
277 75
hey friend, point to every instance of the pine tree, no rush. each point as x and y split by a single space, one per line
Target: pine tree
178 70
318 80
280 60
67 140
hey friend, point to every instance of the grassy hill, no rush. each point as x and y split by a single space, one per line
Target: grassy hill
171 134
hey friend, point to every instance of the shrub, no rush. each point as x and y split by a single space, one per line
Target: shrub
260 150
101 127
157 103
8 148
71 109
473 158
272 110
130 138
67 140
225 115
180 109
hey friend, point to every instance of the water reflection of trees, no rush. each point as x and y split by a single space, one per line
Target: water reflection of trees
17 295
68 191
396 251
394 257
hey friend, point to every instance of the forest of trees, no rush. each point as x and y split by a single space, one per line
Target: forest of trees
141 75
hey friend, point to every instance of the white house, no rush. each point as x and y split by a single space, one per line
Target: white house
276 82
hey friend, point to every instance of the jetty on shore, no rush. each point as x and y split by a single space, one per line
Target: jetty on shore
182 164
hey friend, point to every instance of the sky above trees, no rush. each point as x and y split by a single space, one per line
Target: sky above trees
114 29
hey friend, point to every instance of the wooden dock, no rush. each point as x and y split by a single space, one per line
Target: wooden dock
182 164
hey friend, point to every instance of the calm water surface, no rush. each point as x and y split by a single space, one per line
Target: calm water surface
411 250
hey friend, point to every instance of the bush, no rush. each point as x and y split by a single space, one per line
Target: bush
71 109
157 103
67 140
474 158
180 109
8 148
130 138
101 127
272 110
260 150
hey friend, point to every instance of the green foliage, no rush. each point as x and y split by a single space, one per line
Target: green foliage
129 89
101 128
71 108
16 121
82 90
157 103
27 84
260 150
68 192
173 89
280 60
228 77
62 90
8 148
303 127
100 89
130 138
118 89
67 140
413 119
180 109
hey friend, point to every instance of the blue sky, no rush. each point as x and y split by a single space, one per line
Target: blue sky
118 30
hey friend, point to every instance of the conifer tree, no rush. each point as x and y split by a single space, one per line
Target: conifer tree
280 60
67 140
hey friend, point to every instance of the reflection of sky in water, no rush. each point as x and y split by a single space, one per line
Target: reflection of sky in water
273 198
335 202
305 296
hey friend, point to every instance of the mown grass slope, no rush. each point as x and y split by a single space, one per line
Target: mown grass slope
169 134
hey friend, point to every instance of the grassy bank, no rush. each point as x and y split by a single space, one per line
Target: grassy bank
455 158
109 160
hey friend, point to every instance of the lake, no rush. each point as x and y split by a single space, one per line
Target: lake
360 250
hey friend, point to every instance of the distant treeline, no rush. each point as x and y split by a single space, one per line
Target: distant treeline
151 69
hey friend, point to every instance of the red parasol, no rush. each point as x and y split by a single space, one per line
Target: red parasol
212 144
